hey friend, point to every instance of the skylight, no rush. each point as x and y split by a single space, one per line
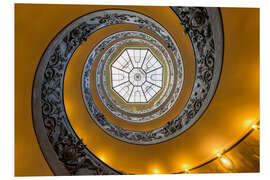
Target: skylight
136 75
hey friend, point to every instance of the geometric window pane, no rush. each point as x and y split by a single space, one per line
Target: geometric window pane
118 77
155 77
136 75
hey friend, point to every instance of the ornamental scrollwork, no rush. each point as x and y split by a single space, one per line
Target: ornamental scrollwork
48 86
198 27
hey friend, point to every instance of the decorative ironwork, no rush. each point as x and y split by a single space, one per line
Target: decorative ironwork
56 136
208 67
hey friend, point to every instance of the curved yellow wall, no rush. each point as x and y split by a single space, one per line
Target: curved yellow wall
236 99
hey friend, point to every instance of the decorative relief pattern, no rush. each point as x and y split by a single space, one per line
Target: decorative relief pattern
199 98
71 152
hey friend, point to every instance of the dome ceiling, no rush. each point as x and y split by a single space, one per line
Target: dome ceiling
143 83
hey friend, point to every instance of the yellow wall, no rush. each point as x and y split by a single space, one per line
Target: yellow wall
237 96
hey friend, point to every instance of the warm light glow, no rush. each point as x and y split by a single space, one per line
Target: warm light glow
225 161
156 171
218 151
186 170
219 154
255 126
250 122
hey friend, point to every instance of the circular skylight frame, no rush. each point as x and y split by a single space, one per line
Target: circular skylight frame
149 42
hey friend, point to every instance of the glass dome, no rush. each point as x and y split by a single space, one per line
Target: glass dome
136 75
